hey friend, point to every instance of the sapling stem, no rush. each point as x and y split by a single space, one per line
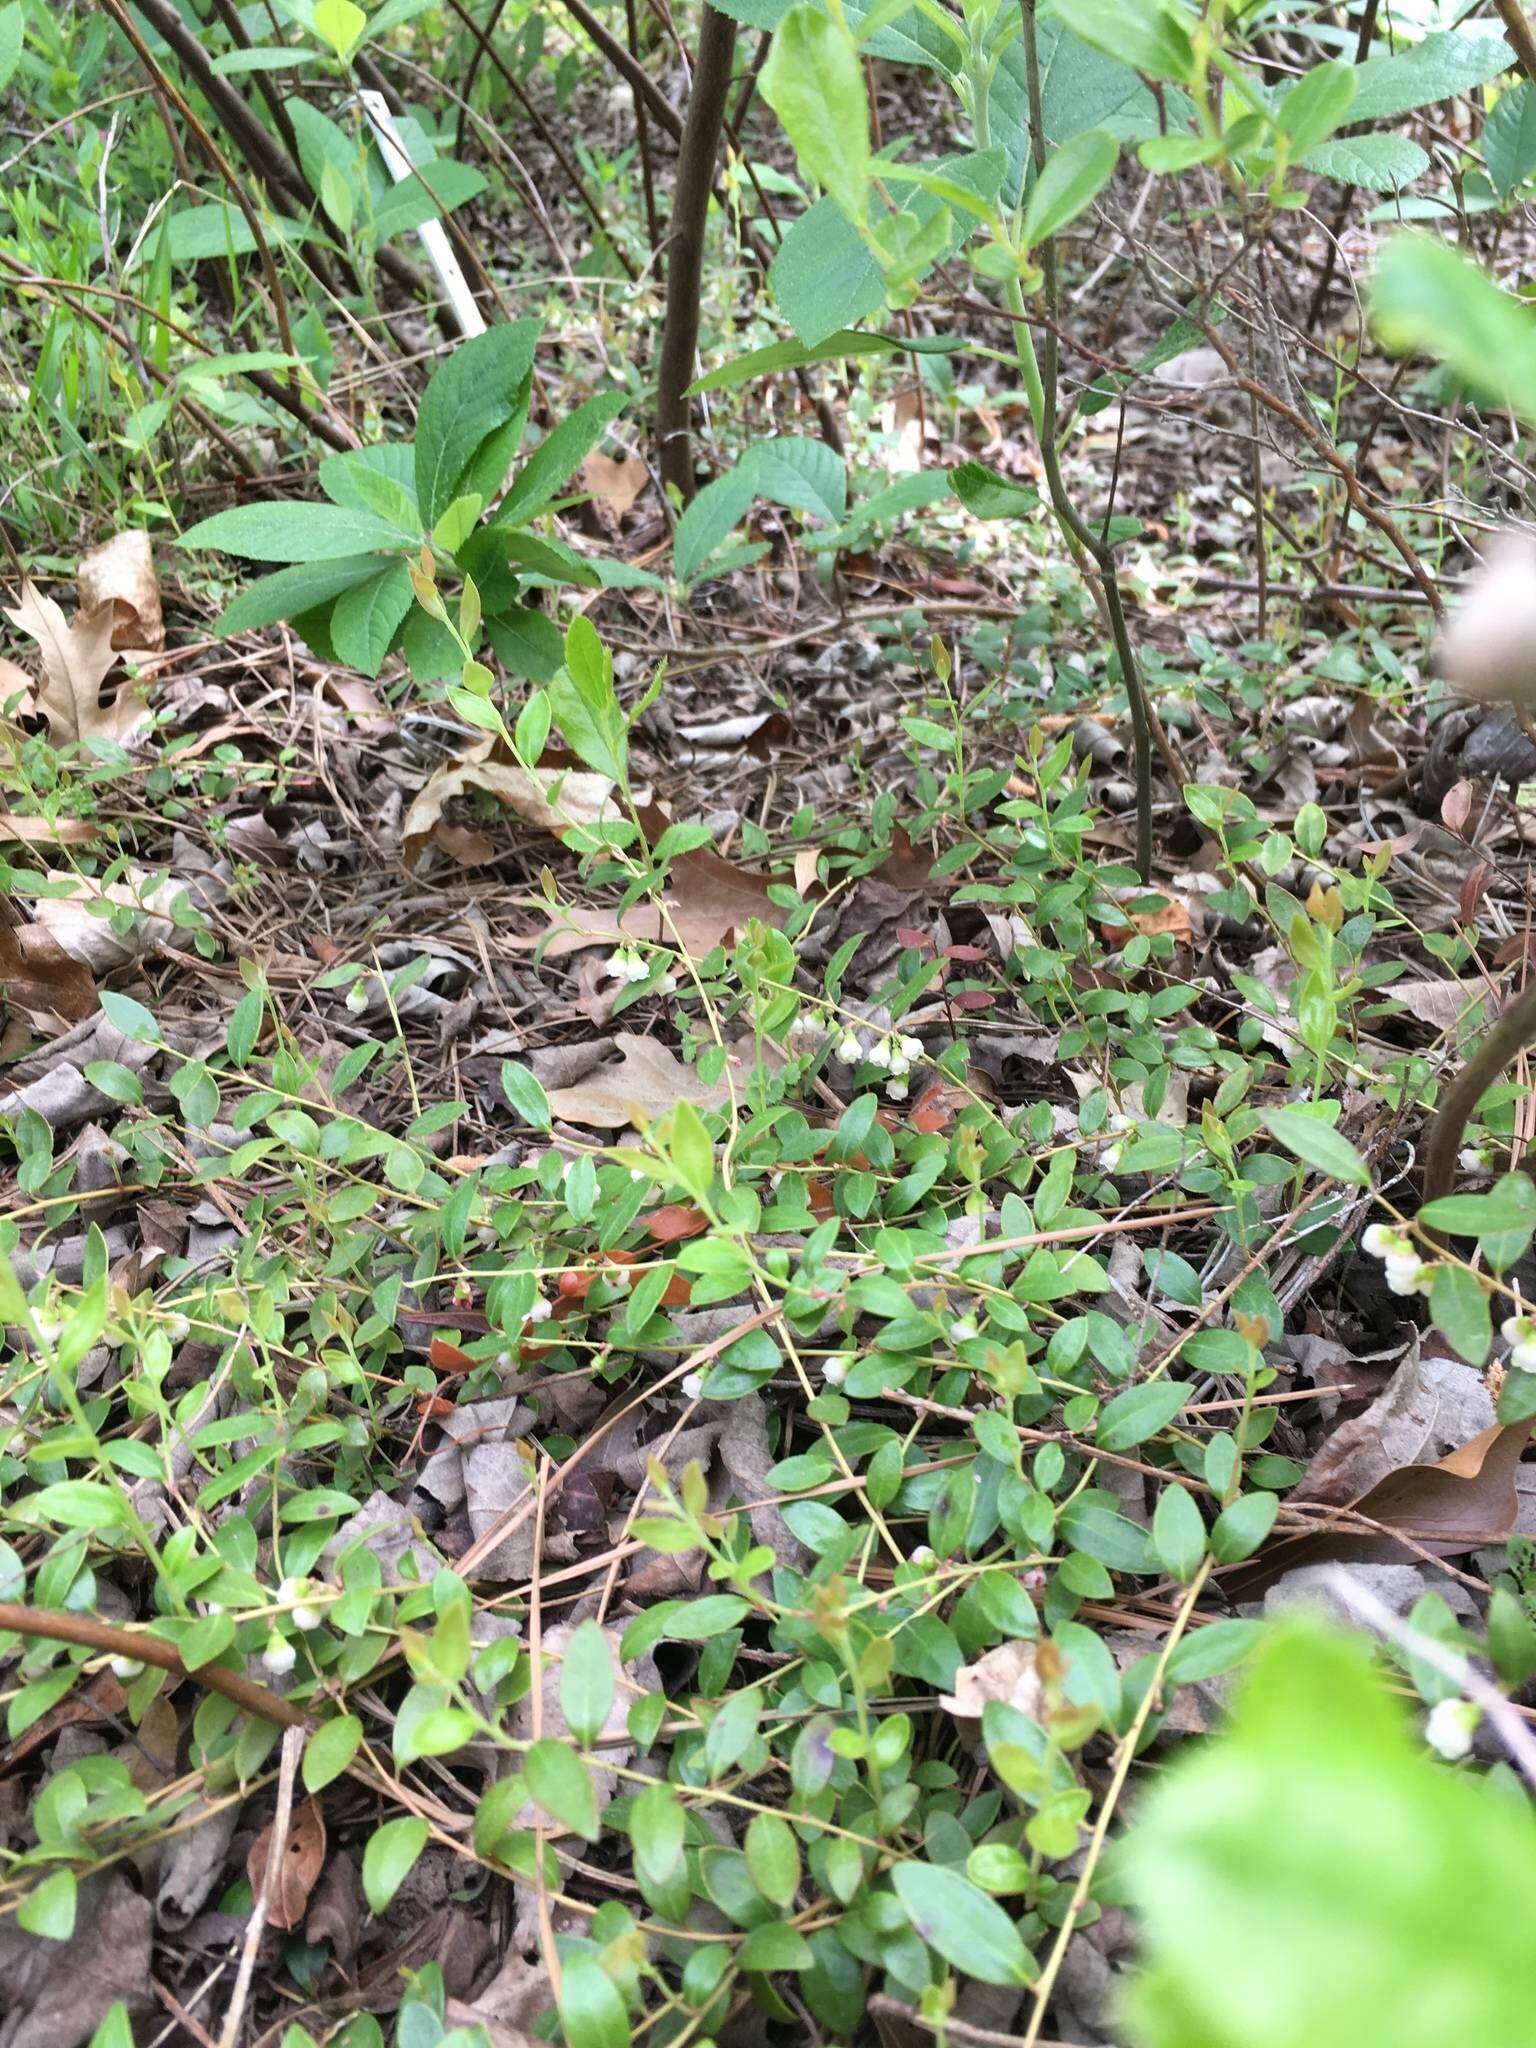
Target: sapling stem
1513 1034
1040 387
90 1634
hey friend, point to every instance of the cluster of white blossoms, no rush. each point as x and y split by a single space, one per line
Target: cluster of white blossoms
1407 1271
1450 1727
1117 1126
895 1056
626 965
1520 1335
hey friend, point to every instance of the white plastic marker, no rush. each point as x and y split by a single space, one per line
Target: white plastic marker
434 239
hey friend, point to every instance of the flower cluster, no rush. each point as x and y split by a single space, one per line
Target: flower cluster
894 1056
626 965
1407 1272
1117 1125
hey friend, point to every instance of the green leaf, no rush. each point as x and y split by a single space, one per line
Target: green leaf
562 1785
987 495
709 518
773 1858
339 23
1316 105
10 42
1178 1533
525 1092
1427 297
793 355
558 456
368 616
690 1150
201 234
1427 71
1140 1412
801 475
443 185
49 1908
330 1749
290 592
1458 1307
478 390
583 699
1357 1884
1072 178
967 1928
823 274
1243 1526
381 479
128 1015
392 1850
775 1946
591 2010
289 530
1507 1206
1509 139
587 1681
814 81
1381 163
1318 1144
1151 36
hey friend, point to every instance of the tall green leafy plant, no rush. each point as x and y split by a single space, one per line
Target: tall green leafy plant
442 503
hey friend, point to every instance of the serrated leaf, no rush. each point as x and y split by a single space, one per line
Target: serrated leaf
477 391
1381 163
288 530
368 616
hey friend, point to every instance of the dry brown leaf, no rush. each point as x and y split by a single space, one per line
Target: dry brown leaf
1428 1404
581 797
1008 1673
16 683
40 980
647 1081
1436 1000
77 656
88 935
100 1699
1467 1501
303 1860
615 482
48 831
121 573
707 899
54 1994
366 716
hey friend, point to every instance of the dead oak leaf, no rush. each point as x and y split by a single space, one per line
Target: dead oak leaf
77 656
303 1860
615 482
646 1081
121 573
1466 1501
40 980
707 898
551 796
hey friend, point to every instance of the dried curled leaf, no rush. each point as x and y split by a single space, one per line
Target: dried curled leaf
121 573
647 1079
299 1872
551 797
77 656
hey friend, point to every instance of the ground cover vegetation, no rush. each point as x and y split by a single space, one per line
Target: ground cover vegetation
766 793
